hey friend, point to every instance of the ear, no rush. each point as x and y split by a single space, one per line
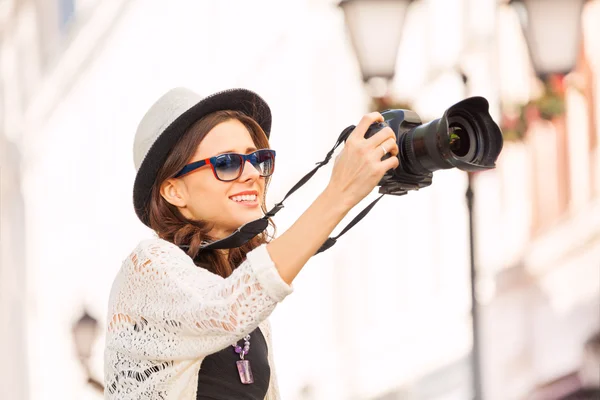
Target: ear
173 191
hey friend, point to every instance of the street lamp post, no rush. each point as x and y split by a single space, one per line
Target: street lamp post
85 332
376 53
475 318
552 29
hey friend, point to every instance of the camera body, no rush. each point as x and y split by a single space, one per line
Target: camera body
465 137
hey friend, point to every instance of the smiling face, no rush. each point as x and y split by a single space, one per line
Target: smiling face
200 196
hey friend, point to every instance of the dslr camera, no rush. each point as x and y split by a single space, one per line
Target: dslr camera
465 137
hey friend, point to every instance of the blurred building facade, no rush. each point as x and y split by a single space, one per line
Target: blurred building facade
40 48
539 242
392 298
19 72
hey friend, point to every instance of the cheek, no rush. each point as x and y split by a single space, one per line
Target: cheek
207 197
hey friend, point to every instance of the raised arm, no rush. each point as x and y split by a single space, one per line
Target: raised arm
356 172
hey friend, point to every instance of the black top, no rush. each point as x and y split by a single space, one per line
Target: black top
219 379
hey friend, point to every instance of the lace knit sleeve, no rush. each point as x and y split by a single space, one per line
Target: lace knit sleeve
163 290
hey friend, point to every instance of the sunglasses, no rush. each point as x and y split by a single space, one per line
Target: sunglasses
230 166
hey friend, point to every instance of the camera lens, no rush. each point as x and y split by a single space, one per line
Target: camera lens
463 137
466 137
459 140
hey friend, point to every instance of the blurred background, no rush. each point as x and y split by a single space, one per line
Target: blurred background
481 286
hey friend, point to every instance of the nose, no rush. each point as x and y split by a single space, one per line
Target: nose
250 172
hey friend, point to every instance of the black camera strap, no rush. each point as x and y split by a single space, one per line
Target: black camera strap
331 240
245 233
343 136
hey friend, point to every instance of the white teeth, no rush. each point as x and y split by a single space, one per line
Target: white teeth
245 197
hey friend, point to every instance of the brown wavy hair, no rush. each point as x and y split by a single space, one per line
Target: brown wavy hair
165 218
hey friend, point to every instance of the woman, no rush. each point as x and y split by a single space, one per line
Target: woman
188 323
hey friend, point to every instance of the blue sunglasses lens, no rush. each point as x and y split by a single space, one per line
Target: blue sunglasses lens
228 166
264 162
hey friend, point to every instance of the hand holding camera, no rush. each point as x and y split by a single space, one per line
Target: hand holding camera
363 161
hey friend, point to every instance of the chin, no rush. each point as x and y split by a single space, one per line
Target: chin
248 217
242 214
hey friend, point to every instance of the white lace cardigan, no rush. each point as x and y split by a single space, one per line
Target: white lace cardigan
165 315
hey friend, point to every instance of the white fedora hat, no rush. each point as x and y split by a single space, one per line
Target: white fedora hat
169 118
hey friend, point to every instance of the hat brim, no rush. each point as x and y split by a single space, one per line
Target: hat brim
242 100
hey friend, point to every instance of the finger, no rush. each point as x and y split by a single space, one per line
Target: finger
390 163
390 146
385 150
363 125
380 137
